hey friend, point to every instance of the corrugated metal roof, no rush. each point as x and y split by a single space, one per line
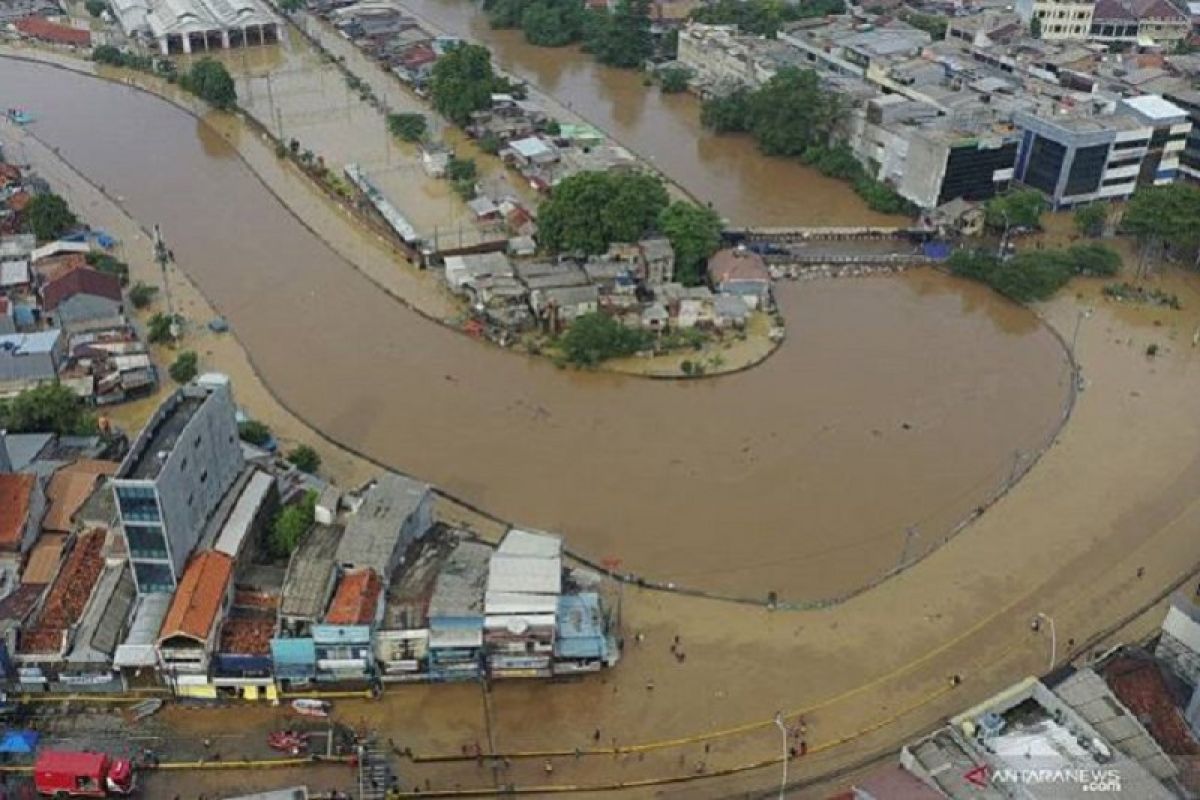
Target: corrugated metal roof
138 648
374 532
310 575
456 637
520 603
233 535
99 631
529 575
538 544
460 585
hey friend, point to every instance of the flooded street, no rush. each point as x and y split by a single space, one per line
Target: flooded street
896 404
744 186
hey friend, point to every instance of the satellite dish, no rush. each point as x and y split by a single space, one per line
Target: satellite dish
517 626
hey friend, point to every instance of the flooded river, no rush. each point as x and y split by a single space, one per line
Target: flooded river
895 404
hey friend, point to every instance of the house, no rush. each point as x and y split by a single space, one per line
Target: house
47 31
463 271
188 635
523 587
655 318
14 276
15 611
656 262
531 151
562 305
581 643
740 272
395 512
22 506
456 613
88 664
28 360
343 640
434 160
69 489
82 295
8 322
242 665
308 587
730 311
136 657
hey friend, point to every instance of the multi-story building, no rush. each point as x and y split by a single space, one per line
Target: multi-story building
173 478
1189 157
1170 129
1142 22
1058 19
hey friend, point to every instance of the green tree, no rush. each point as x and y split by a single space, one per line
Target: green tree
673 80
791 112
103 262
463 82
409 127
763 17
142 294
1020 208
1090 219
49 216
254 432
185 366
695 234
1035 28
292 523
159 329
1165 217
595 337
210 81
95 7
304 458
1093 259
589 210
621 38
728 113
462 173
49 408
1032 275
553 23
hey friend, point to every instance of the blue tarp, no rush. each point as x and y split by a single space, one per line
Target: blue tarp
938 251
19 742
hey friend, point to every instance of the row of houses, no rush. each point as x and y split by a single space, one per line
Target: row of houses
62 318
397 41
157 569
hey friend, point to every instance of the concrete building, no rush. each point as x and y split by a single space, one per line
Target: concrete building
456 614
1170 129
395 512
1189 158
1058 20
524 585
29 359
186 26
1140 22
172 480
13 10
188 636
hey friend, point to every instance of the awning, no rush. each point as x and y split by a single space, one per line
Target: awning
19 742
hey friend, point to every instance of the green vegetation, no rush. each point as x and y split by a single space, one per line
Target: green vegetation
160 329
1020 208
142 294
290 6
547 23
764 17
462 172
935 26
210 81
1034 274
254 432
103 262
1128 292
1035 28
304 458
185 366
409 127
589 210
1164 219
673 80
113 56
48 408
95 7
1090 219
290 526
695 234
49 216
463 82
595 337
620 38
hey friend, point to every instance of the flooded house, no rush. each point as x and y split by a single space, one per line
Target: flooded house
524 584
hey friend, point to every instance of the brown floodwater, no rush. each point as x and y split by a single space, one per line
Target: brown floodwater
746 187
894 403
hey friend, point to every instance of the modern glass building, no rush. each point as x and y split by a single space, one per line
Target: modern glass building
174 476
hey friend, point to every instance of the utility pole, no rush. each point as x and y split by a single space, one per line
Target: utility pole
164 256
910 533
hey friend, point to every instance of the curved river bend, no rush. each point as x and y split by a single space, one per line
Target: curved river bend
894 402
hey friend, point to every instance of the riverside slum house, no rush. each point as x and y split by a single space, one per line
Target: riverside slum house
390 37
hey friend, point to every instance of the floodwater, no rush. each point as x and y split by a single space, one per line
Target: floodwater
743 185
895 405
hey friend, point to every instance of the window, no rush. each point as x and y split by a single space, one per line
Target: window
1118 181
153 578
1131 144
1125 162
138 503
146 541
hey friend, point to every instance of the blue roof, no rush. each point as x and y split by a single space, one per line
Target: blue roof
19 742
587 647
580 627
25 343
293 651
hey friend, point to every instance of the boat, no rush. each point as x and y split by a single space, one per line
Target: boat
291 742
311 708
145 708
19 117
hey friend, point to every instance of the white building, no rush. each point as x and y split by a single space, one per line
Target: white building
1058 20
188 26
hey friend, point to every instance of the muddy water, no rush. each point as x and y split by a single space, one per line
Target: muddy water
743 185
893 404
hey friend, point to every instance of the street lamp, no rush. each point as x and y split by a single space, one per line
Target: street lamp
1036 626
783 734
1084 313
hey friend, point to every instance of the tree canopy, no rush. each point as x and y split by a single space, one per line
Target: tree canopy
695 234
49 408
49 216
1034 274
255 432
1020 208
463 82
291 524
589 210
673 80
409 127
185 367
210 81
1090 219
786 115
595 337
620 38
1165 215
763 17
304 458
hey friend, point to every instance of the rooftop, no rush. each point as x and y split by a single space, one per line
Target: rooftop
69 489
245 633
156 441
24 344
138 648
1139 684
458 591
42 563
375 531
100 629
310 573
411 589
356 599
237 526
41 28
1156 108
15 491
198 599
80 280
68 596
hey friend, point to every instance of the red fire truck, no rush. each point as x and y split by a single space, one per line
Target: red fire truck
63 773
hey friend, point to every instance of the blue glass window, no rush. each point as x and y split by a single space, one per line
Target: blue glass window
138 503
146 541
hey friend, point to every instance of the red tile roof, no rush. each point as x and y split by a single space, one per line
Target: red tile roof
70 488
15 491
80 280
54 267
19 201
9 173
1139 684
17 605
68 596
3 305
249 636
737 265
48 31
197 601
356 598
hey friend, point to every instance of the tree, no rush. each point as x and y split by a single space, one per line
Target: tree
763 17
1020 208
791 112
589 210
210 81
160 329
463 82
142 294
95 7
49 216
1090 219
1094 260
1035 28
553 23
254 432
103 262
595 337
185 367
673 80
409 127
621 38
49 408
695 234
292 523
304 458
1165 217
728 113
462 172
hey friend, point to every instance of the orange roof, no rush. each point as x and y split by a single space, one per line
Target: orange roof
69 489
356 598
14 508
42 564
68 596
197 601
54 267
44 29
19 201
